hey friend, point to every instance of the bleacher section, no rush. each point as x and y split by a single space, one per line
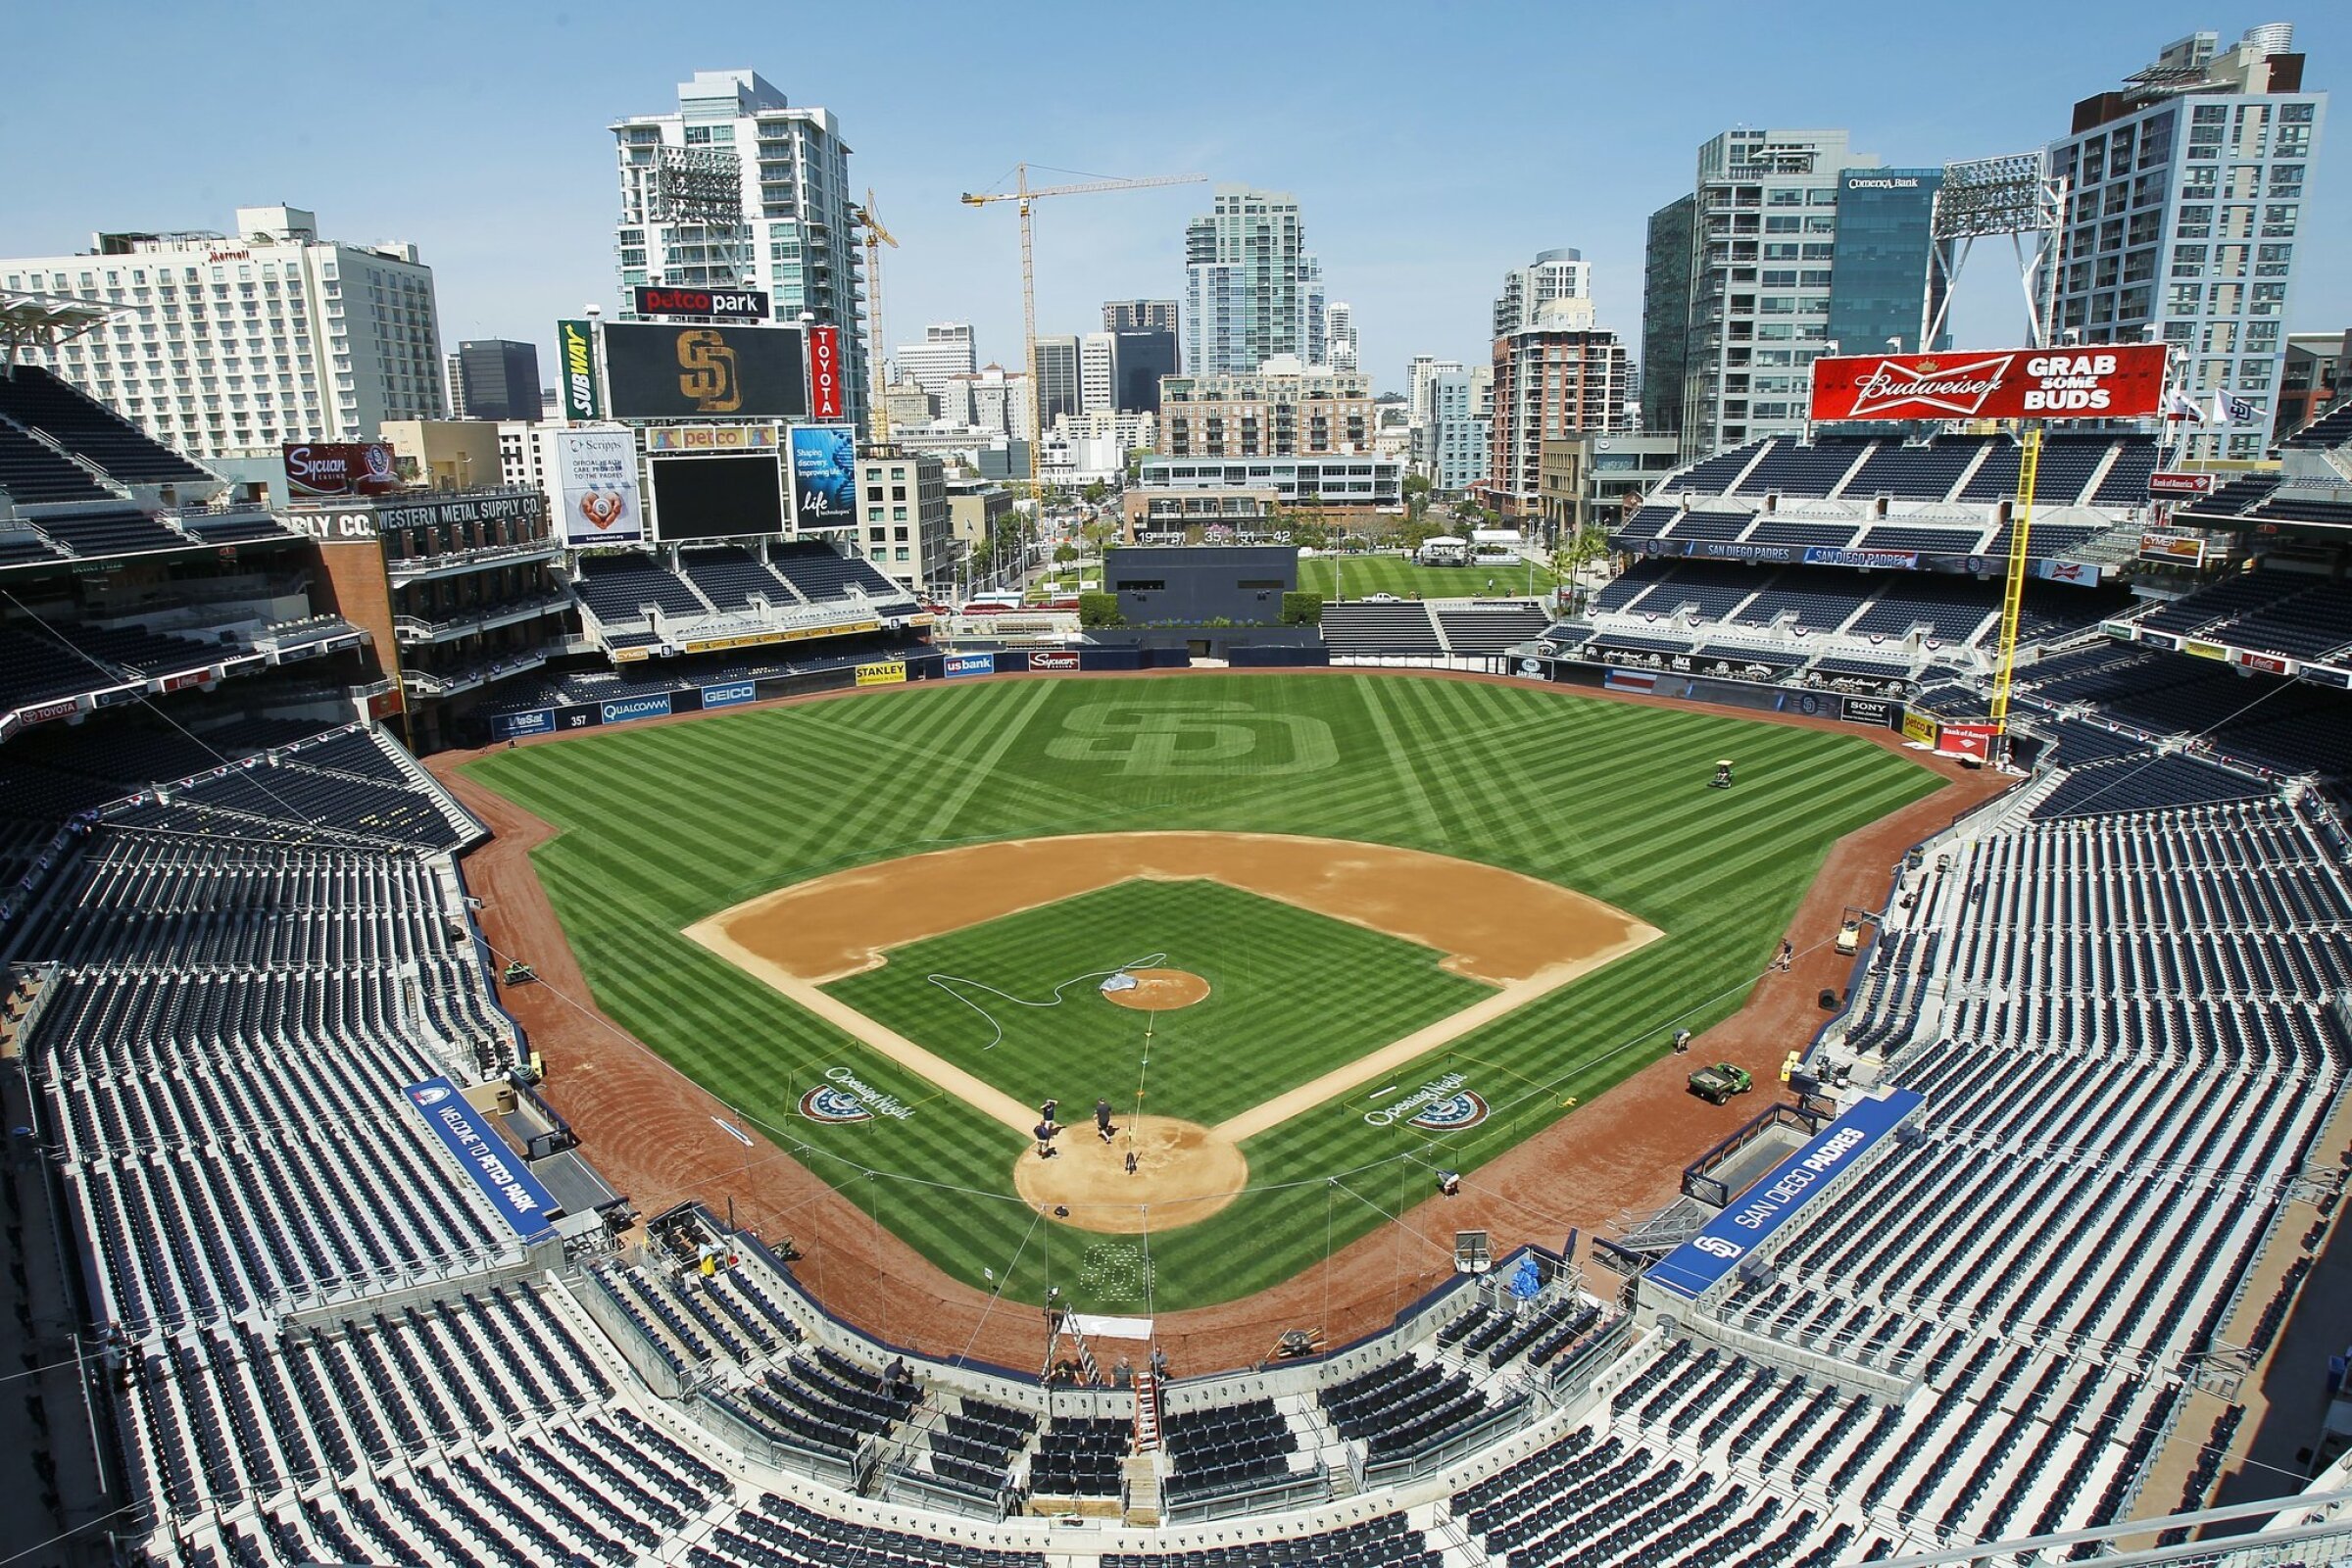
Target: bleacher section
2287 614
820 574
1869 565
35 399
620 587
31 472
1792 469
1355 628
1488 626
1916 473
729 578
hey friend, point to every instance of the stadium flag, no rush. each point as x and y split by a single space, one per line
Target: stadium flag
2184 407
2229 409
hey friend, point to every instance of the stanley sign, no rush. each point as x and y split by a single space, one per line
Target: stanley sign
2098 381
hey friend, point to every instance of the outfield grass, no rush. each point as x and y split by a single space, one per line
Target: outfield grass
1358 576
1291 995
665 825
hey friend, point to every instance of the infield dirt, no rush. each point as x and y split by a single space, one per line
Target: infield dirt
1523 935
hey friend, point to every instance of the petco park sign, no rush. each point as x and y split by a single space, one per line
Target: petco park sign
2115 381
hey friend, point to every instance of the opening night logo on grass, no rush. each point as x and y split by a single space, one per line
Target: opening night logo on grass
1441 1105
846 1098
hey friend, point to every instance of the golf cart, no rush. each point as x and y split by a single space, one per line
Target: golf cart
1716 1085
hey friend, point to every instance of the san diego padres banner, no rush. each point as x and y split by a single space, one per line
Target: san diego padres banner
2103 381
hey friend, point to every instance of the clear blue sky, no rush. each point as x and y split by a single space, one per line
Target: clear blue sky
1430 145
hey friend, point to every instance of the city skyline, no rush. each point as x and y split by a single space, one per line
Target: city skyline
512 255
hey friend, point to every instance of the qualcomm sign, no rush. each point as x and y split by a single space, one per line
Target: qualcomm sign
1696 1266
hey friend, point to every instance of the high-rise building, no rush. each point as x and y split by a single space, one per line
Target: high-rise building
738 188
907 532
1666 315
1251 289
1560 377
1417 375
1139 315
494 378
1339 324
1785 231
234 344
1561 274
1098 372
946 351
1284 410
1139 358
992 400
2184 215
1057 384
1456 446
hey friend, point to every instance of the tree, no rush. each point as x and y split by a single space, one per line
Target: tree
1099 610
1301 609
1416 494
1095 492
1064 552
1135 463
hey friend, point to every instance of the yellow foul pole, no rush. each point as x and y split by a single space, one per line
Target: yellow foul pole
2012 597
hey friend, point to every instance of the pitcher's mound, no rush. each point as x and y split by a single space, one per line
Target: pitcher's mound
1182 1173
1158 990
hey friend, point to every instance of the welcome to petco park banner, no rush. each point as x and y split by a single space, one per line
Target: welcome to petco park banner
495 1168
2106 381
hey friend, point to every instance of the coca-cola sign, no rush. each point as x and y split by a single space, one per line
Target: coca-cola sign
2111 381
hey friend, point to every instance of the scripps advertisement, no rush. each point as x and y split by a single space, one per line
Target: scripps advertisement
596 485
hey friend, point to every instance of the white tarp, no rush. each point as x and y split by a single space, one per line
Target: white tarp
1112 1328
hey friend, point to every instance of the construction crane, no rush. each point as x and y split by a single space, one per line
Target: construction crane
1024 194
877 415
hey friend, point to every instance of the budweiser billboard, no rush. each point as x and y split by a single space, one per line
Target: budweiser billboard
824 372
2113 381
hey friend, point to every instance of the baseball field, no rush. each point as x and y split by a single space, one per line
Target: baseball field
1312 937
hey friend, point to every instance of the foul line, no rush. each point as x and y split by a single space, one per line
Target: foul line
1420 1042
982 1096
984 767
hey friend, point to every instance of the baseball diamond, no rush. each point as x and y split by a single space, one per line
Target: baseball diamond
867 890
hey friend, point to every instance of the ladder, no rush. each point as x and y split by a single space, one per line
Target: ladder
1147 1409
